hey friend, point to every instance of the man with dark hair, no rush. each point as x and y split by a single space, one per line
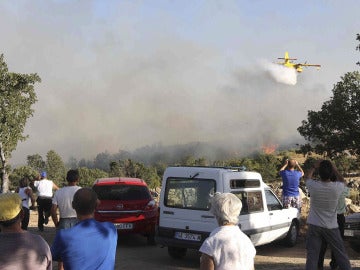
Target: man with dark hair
20 249
89 244
62 200
322 219
291 173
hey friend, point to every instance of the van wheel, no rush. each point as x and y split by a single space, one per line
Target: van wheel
176 252
292 235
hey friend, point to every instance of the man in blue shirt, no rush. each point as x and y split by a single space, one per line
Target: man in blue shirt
291 172
89 244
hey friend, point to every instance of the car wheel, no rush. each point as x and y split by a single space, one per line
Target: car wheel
176 252
292 235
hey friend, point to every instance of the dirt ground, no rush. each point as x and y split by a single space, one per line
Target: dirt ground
134 253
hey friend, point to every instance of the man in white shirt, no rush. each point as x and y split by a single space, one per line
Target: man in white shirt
45 189
322 219
63 201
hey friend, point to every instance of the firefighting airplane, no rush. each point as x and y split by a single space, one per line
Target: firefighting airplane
297 66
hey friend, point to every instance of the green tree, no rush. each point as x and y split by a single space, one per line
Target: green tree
268 166
17 95
151 177
336 127
36 162
116 169
88 176
55 168
20 172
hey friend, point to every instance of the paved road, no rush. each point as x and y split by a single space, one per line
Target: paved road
134 253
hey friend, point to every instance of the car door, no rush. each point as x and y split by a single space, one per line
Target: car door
280 218
185 206
254 220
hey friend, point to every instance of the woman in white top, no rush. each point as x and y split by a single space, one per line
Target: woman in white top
26 195
227 247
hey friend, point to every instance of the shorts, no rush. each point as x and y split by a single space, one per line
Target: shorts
292 201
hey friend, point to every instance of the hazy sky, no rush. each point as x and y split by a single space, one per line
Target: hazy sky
126 74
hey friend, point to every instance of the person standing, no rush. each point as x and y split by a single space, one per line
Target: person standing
45 189
26 195
62 200
89 244
322 218
340 210
291 173
20 249
227 247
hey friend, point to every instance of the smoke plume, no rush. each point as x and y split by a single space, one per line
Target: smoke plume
279 73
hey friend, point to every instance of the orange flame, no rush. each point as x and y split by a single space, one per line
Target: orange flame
269 149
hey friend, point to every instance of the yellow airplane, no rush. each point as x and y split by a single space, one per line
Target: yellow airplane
297 66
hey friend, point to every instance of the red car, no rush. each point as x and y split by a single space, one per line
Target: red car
128 203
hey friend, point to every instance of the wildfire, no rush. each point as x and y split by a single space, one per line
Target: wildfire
269 149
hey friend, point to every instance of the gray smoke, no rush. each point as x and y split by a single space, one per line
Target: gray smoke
118 83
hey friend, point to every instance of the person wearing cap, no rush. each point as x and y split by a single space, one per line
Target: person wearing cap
20 249
45 189
89 244
227 247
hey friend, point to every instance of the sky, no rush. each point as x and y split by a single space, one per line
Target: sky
127 74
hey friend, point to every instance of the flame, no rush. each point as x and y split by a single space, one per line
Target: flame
269 149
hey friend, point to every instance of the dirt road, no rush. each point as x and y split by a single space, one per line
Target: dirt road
134 253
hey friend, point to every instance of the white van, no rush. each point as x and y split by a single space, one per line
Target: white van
185 220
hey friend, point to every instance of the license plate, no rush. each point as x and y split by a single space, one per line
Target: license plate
348 232
124 226
188 236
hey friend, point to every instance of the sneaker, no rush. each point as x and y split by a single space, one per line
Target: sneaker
46 220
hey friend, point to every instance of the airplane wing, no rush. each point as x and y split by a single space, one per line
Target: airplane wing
287 58
311 65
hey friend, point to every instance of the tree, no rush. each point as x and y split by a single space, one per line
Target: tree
36 162
115 169
336 127
55 168
88 176
20 172
17 95
102 161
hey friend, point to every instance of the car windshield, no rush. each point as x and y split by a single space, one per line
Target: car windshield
122 192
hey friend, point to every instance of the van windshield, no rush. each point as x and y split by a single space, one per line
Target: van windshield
189 193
